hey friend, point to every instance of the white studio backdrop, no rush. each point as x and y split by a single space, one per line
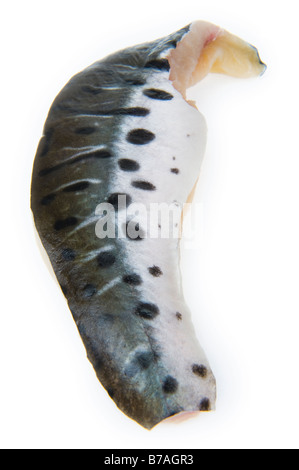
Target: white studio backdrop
240 278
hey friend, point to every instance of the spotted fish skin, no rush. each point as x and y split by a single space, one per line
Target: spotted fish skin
120 127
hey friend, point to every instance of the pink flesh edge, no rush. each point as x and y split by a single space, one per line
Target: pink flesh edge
184 58
182 417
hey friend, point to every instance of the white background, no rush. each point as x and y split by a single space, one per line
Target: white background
242 279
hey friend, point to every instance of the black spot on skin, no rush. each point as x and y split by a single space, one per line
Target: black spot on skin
170 385
76 187
156 94
144 359
68 254
126 164
140 362
135 234
100 154
179 315
204 405
113 200
88 156
147 310
135 81
155 271
65 223
138 111
85 130
175 171
145 185
105 259
140 136
134 111
89 290
132 279
159 64
51 169
199 370
47 199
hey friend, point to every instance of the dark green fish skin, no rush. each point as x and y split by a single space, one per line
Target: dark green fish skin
73 166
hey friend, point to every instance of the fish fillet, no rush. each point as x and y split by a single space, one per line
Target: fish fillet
122 135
